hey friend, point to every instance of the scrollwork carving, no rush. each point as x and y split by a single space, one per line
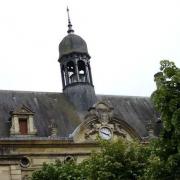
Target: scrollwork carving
118 130
92 129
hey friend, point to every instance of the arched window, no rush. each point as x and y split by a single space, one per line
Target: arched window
71 72
82 71
69 159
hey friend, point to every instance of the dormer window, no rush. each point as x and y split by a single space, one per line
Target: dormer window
22 122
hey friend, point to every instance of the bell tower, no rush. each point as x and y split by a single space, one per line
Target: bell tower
75 67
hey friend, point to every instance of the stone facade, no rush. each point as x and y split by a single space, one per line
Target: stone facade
20 155
38 127
19 158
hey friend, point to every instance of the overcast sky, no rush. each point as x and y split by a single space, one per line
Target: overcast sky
126 40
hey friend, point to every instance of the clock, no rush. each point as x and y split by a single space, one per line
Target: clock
105 133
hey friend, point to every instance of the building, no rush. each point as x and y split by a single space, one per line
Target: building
37 127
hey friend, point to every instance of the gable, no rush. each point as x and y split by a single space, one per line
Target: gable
22 110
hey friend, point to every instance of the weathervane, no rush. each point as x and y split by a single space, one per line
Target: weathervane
70 30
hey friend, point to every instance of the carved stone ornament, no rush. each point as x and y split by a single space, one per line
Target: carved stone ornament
150 130
119 130
100 121
53 128
92 129
102 112
100 118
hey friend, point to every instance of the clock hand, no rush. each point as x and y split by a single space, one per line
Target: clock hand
105 133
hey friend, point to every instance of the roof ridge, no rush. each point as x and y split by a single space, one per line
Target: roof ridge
109 95
24 91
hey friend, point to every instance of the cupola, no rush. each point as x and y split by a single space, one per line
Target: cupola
75 67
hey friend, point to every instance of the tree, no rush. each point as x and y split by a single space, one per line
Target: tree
164 162
59 171
116 160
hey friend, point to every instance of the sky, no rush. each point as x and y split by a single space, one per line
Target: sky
126 40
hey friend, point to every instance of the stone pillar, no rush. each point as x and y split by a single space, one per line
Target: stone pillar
66 75
77 70
31 128
89 67
16 124
87 73
15 172
5 173
62 76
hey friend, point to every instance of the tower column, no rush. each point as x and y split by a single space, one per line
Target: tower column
76 69
66 75
89 67
87 73
62 76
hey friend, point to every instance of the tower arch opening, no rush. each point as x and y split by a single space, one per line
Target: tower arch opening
82 71
71 72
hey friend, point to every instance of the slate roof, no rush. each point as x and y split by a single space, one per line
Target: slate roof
48 107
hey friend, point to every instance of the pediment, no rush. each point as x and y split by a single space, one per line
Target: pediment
101 121
23 110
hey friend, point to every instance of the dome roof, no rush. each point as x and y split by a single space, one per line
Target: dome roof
72 43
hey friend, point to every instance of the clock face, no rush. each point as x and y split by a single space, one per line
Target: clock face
105 133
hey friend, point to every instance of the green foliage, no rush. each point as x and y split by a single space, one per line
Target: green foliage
164 162
115 160
59 171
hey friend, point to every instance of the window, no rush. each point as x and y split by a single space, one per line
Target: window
69 159
24 162
82 71
22 122
71 72
23 127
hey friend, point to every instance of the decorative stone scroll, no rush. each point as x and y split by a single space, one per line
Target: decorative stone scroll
53 128
100 121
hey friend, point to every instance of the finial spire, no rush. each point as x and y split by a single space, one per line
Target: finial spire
70 29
